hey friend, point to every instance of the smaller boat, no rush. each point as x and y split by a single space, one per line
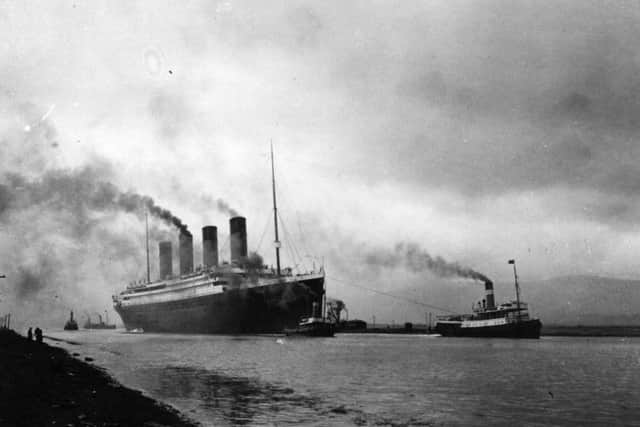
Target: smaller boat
101 324
71 324
314 326
508 320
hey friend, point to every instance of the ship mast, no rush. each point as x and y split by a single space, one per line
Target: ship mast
275 214
515 275
146 223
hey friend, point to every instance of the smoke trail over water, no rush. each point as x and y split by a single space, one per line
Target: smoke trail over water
416 259
63 244
69 238
79 191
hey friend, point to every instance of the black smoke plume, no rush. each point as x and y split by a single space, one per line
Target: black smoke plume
223 206
64 243
253 262
79 191
416 259
61 249
220 204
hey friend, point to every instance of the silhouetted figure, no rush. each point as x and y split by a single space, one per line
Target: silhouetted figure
38 335
30 335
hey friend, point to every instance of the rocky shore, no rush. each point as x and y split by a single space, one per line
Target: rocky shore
41 385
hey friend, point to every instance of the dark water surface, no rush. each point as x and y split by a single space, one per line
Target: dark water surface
377 379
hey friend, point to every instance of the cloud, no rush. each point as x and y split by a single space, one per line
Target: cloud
489 105
451 125
170 113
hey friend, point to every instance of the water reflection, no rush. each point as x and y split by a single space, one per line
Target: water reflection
379 380
237 400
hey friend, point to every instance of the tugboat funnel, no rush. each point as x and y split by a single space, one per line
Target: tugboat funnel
488 288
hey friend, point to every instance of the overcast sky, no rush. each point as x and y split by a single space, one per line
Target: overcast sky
481 131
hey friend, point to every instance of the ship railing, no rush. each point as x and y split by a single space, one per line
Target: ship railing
523 305
450 317
516 316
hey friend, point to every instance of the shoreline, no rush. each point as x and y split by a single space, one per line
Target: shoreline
548 331
45 385
590 331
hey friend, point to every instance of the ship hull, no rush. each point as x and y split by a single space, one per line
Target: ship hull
260 309
523 329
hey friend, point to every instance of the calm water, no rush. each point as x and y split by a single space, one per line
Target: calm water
377 379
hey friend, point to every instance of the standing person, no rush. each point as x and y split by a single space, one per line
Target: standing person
39 335
30 335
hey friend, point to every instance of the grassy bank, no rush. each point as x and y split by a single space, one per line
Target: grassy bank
44 385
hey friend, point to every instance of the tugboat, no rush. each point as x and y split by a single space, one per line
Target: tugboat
314 326
508 320
71 324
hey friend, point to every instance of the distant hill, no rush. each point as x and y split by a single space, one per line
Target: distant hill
566 301
585 300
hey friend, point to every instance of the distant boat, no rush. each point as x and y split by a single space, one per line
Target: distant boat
100 324
508 320
314 326
71 324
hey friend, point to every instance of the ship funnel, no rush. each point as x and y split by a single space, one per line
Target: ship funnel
209 246
238 239
488 288
186 252
166 260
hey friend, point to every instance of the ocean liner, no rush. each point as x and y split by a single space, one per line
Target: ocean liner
508 320
241 296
